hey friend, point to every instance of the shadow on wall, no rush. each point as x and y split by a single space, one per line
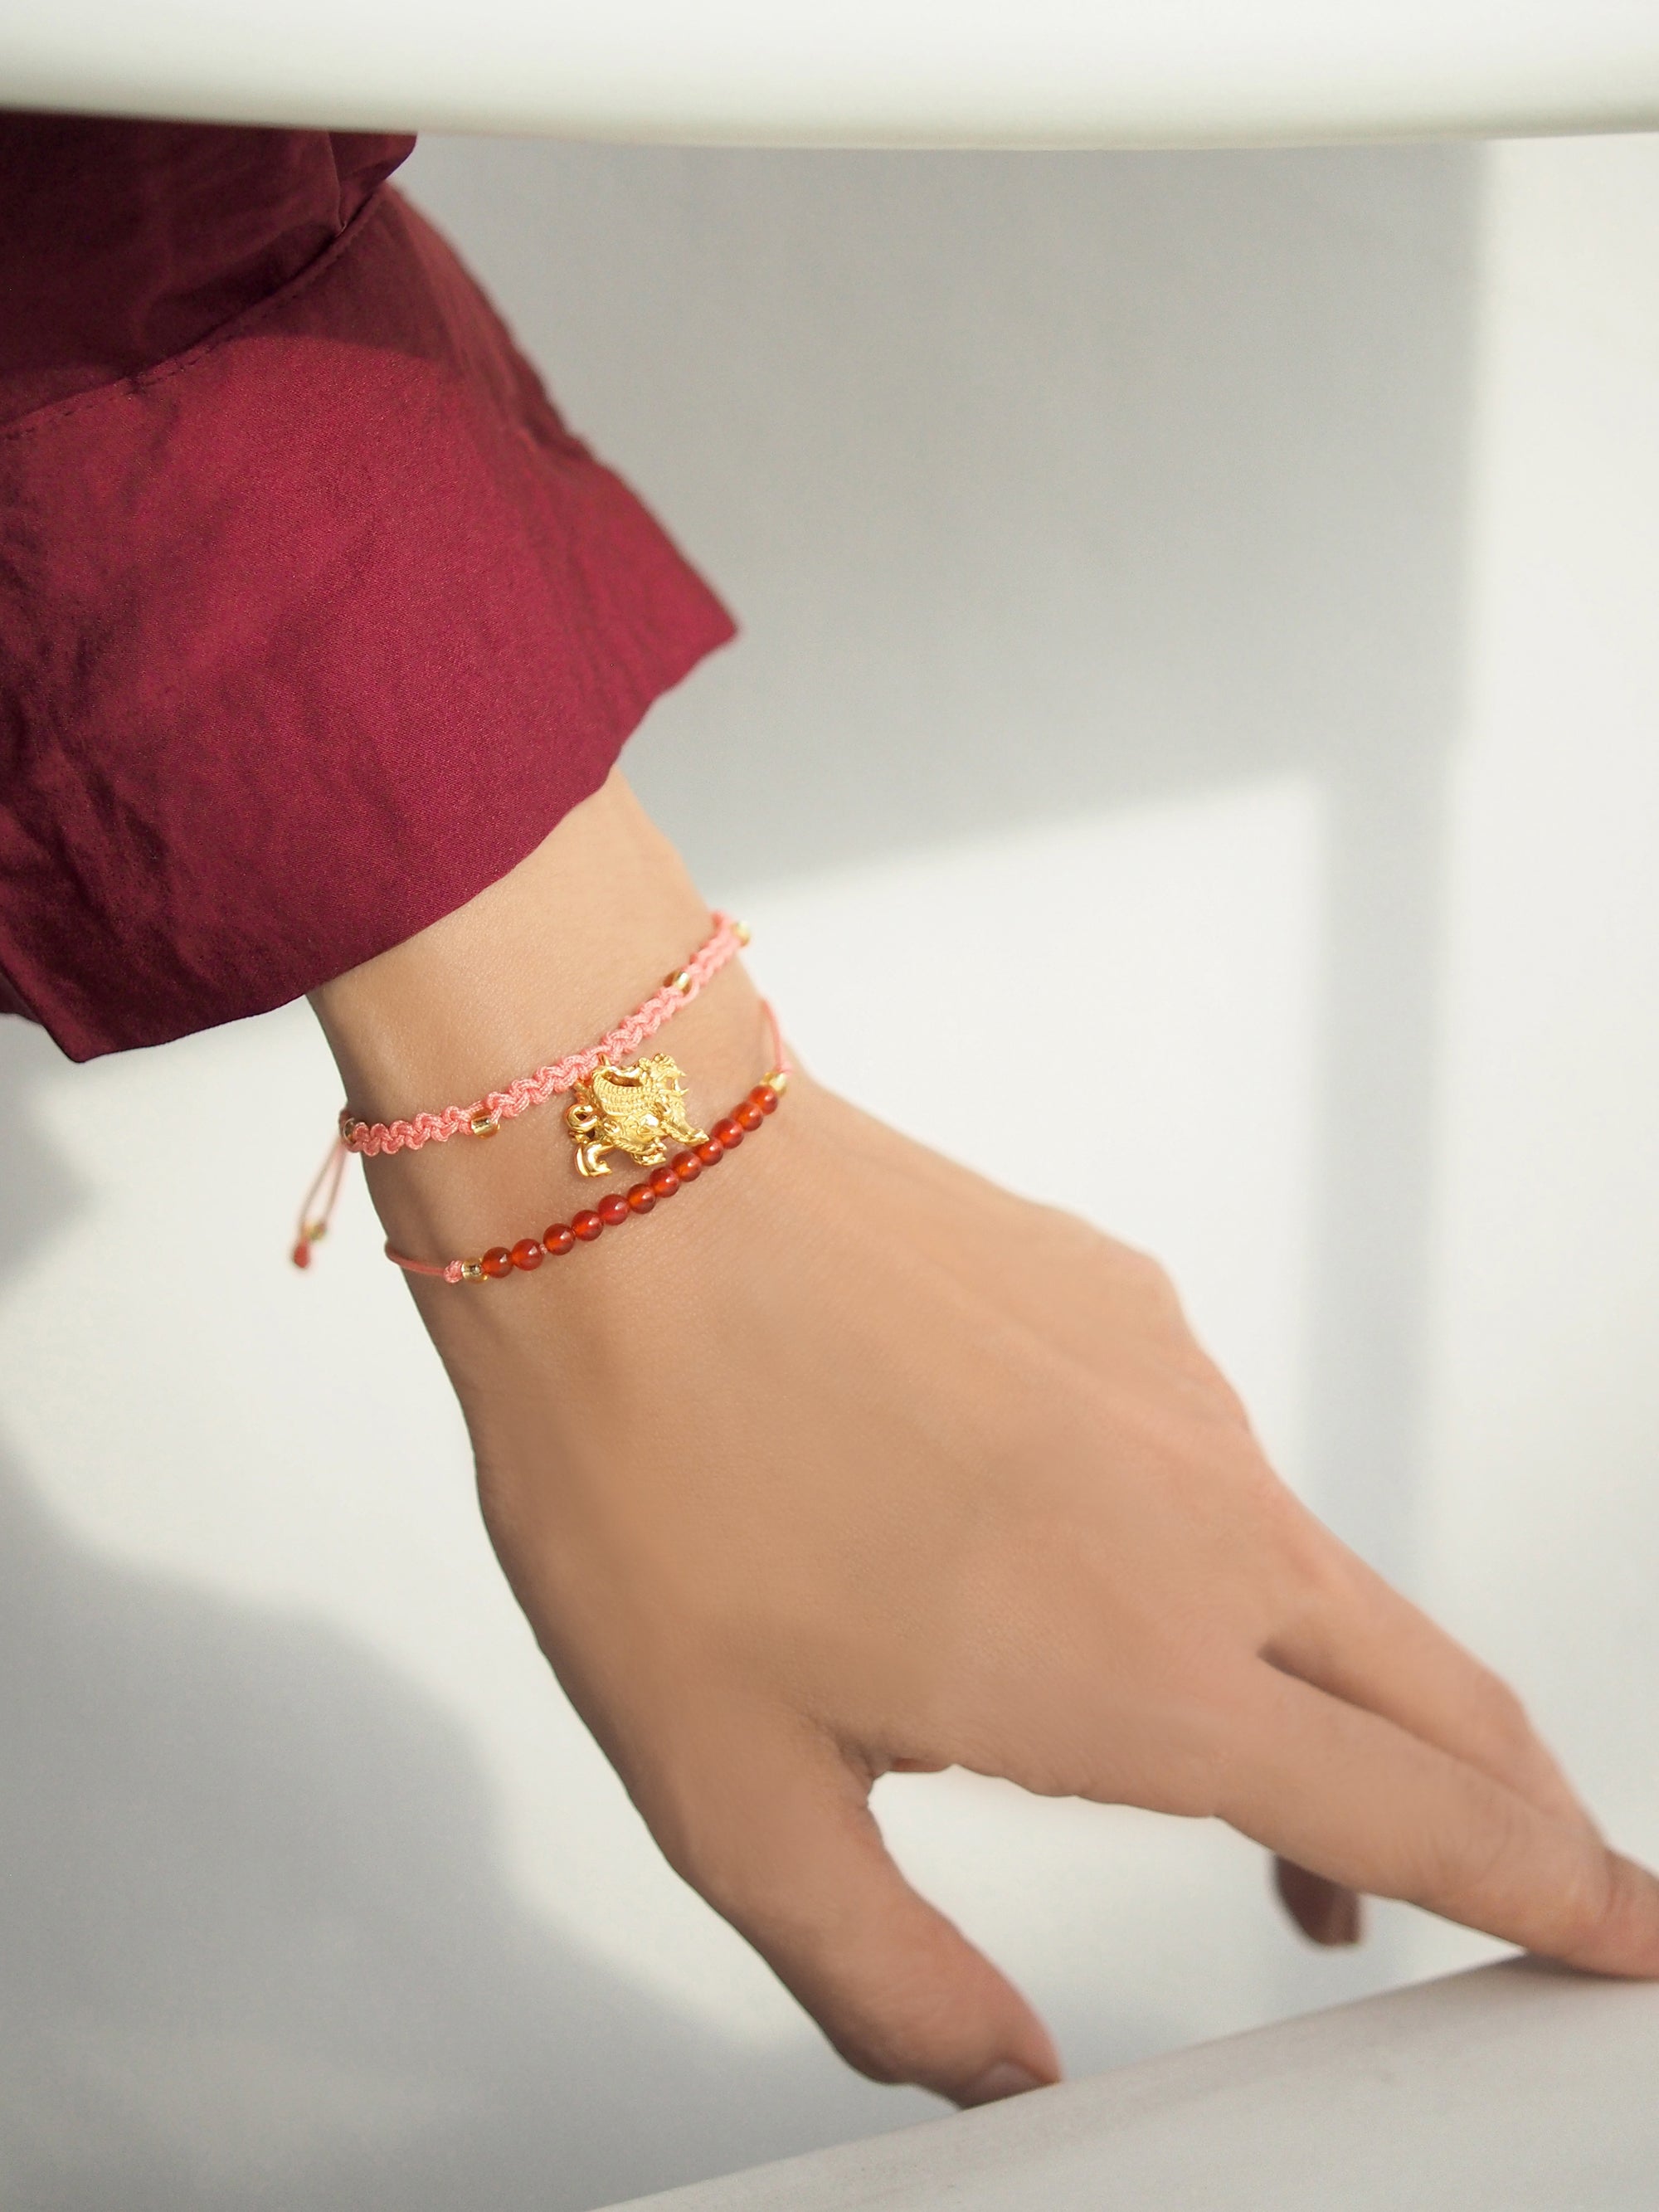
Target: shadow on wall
1042 485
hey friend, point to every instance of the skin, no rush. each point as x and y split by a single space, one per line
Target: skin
849 1461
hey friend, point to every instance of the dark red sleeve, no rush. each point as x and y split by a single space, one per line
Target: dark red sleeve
314 619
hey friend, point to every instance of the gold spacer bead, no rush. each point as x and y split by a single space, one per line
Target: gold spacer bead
472 1270
742 932
483 1125
680 981
778 1080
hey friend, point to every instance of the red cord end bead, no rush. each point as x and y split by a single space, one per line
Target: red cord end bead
300 1255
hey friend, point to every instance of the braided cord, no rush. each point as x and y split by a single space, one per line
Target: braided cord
486 1114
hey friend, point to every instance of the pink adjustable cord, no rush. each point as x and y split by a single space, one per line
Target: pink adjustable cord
484 1116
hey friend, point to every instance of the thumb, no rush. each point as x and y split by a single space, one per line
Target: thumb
783 1844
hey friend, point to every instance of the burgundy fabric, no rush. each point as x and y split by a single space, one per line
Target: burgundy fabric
314 619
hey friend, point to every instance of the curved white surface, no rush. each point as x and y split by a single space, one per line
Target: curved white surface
1516 2088
979 72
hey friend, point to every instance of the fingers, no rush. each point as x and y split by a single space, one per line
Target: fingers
1368 1645
787 1848
1363 1802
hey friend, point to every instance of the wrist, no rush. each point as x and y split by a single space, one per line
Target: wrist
542 964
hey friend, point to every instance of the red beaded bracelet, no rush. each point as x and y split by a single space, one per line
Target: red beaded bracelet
748 1115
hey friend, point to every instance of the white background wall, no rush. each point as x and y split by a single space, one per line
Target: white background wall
1204 597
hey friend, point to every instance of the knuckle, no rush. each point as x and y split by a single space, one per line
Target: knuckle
1317 1558
1465 1865
1198 1760
1138 1273
1518 1755
1189 1788
1146 1266
1154 1282
1317 1579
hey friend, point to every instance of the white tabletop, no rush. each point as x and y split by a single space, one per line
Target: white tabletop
1515 2088
919 72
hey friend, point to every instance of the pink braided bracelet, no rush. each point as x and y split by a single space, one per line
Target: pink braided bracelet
485 1115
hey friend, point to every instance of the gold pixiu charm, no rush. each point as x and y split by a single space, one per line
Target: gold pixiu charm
639 1110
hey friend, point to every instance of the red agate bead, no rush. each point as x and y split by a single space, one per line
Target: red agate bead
748 1115
613 1208
586 1225
709 1151
497 1262
664 1181
765 1097
556 1239
726 1133
640 1198
687 1167
527 1254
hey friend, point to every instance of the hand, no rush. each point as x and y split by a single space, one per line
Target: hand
849 1461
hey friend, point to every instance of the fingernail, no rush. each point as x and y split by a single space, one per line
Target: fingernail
1008 2078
